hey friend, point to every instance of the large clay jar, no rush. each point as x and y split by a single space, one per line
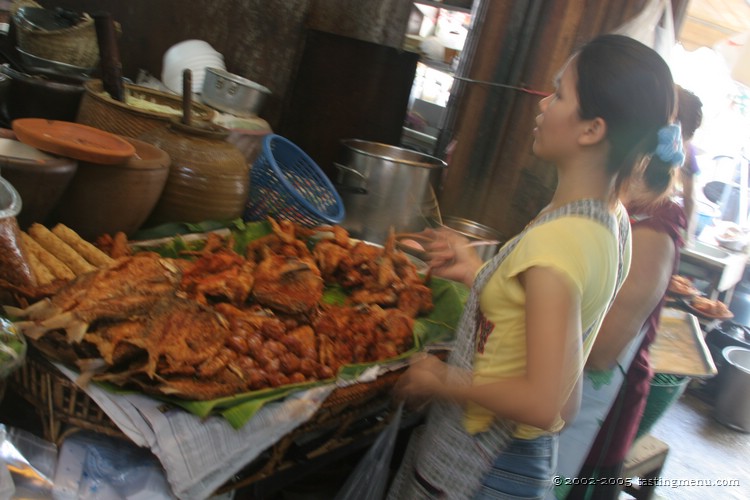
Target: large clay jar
208 178
114 198
39 178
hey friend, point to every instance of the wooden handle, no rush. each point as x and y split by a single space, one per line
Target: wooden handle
109 56
187 96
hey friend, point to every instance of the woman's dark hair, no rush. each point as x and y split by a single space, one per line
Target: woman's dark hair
689 112
630 87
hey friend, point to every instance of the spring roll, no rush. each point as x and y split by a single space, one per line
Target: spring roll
41 272
60 249
56 267
93 255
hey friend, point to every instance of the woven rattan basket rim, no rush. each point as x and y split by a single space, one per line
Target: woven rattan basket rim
87 23
95 90
78 409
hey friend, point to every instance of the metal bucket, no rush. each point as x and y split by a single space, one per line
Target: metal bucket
489 239
385 186
733 401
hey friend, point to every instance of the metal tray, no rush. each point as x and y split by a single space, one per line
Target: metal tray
679 347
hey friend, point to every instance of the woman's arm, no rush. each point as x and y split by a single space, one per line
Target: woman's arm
553 358
650 270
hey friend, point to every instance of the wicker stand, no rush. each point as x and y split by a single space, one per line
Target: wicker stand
350 418
62 406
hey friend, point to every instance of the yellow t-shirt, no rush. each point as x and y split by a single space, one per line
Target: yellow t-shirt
578 247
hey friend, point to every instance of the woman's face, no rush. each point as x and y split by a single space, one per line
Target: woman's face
559 123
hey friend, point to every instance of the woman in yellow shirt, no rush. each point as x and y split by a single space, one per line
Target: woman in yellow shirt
535 308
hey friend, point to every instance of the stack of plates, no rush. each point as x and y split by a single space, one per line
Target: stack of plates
195 55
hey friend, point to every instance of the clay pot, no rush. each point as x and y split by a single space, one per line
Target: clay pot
208 178
39 178
111 198
246 133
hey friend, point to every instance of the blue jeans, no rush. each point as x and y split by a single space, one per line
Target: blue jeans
523 470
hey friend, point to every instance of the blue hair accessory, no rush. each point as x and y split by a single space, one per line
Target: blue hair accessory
669 148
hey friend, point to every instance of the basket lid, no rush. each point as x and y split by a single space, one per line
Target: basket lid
73 140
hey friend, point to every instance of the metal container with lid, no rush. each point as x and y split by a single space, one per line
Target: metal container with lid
485 239
384 187
232 93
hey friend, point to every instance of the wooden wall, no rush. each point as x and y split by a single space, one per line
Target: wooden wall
493 178
260 39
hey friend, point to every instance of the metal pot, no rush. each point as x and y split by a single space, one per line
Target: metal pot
732 404
384 186
232 93
485 239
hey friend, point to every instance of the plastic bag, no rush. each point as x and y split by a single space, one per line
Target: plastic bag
30 460
12 348
369 479
95 466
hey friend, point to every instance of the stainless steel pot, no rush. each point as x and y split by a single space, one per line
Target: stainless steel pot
386 186
732 404
485 239
232 93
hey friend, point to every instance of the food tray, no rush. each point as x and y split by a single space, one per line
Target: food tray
679 348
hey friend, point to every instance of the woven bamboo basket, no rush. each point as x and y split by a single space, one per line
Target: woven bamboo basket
99 110
63 407
58 401
76 45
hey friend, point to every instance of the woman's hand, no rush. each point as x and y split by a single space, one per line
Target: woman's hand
422 380
450 256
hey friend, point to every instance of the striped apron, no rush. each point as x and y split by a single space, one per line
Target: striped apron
442 459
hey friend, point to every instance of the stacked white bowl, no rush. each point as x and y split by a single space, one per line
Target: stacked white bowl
195 55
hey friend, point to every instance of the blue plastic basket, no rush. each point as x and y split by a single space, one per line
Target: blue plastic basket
286 183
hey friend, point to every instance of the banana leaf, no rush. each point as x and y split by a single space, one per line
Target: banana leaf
438 326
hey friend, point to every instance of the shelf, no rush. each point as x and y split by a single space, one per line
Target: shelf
437 65
419 141
446 6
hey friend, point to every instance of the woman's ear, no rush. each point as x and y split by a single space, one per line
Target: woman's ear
594 132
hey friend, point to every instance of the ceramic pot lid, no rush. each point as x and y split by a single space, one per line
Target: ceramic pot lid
73 140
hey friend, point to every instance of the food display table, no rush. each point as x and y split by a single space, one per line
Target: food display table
346 421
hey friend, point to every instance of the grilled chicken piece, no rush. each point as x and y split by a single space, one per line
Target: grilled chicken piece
222 275
287 284
362 334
